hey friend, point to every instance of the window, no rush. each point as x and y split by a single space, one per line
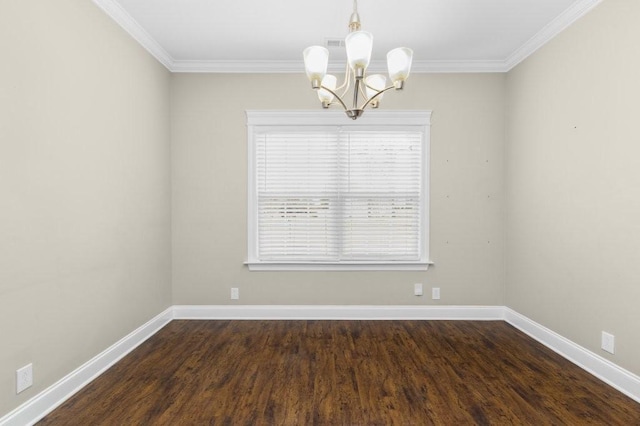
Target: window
326 192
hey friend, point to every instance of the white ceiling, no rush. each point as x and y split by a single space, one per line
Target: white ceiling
269 36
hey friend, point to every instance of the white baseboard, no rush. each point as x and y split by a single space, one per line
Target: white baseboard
621 379
337 312
46 401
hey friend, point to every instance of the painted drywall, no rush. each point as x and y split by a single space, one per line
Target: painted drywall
209 193
573 182
84 189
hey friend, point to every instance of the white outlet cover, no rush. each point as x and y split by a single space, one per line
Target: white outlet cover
608 342
435 293
24 378
235 293
417 289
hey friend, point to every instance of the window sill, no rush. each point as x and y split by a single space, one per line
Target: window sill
344 266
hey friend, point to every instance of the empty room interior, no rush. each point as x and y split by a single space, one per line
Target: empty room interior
144 270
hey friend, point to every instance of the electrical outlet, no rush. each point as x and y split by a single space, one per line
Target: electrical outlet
417 289
608 342
235 293
24 378
435 293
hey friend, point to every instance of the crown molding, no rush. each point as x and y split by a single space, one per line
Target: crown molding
239 67
470 66
292 67
131 26
551 30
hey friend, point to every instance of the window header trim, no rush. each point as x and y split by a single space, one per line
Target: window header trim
338 118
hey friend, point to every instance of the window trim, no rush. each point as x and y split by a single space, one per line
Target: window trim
414 118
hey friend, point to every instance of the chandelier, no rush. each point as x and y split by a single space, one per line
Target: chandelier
366 90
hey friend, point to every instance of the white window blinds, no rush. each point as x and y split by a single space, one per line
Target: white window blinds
298 195
337 194
380 195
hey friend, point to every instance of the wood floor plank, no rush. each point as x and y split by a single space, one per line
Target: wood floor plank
344 373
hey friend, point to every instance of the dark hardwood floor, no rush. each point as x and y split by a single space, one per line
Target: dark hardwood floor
344 373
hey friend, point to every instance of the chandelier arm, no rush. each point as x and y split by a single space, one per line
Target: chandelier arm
347 81
371 99
338 97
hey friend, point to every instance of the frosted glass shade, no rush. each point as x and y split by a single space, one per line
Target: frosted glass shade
359 44
375 83
399 63
316 59
330 82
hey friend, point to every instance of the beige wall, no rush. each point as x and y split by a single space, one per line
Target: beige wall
573 179
209 167
84 189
